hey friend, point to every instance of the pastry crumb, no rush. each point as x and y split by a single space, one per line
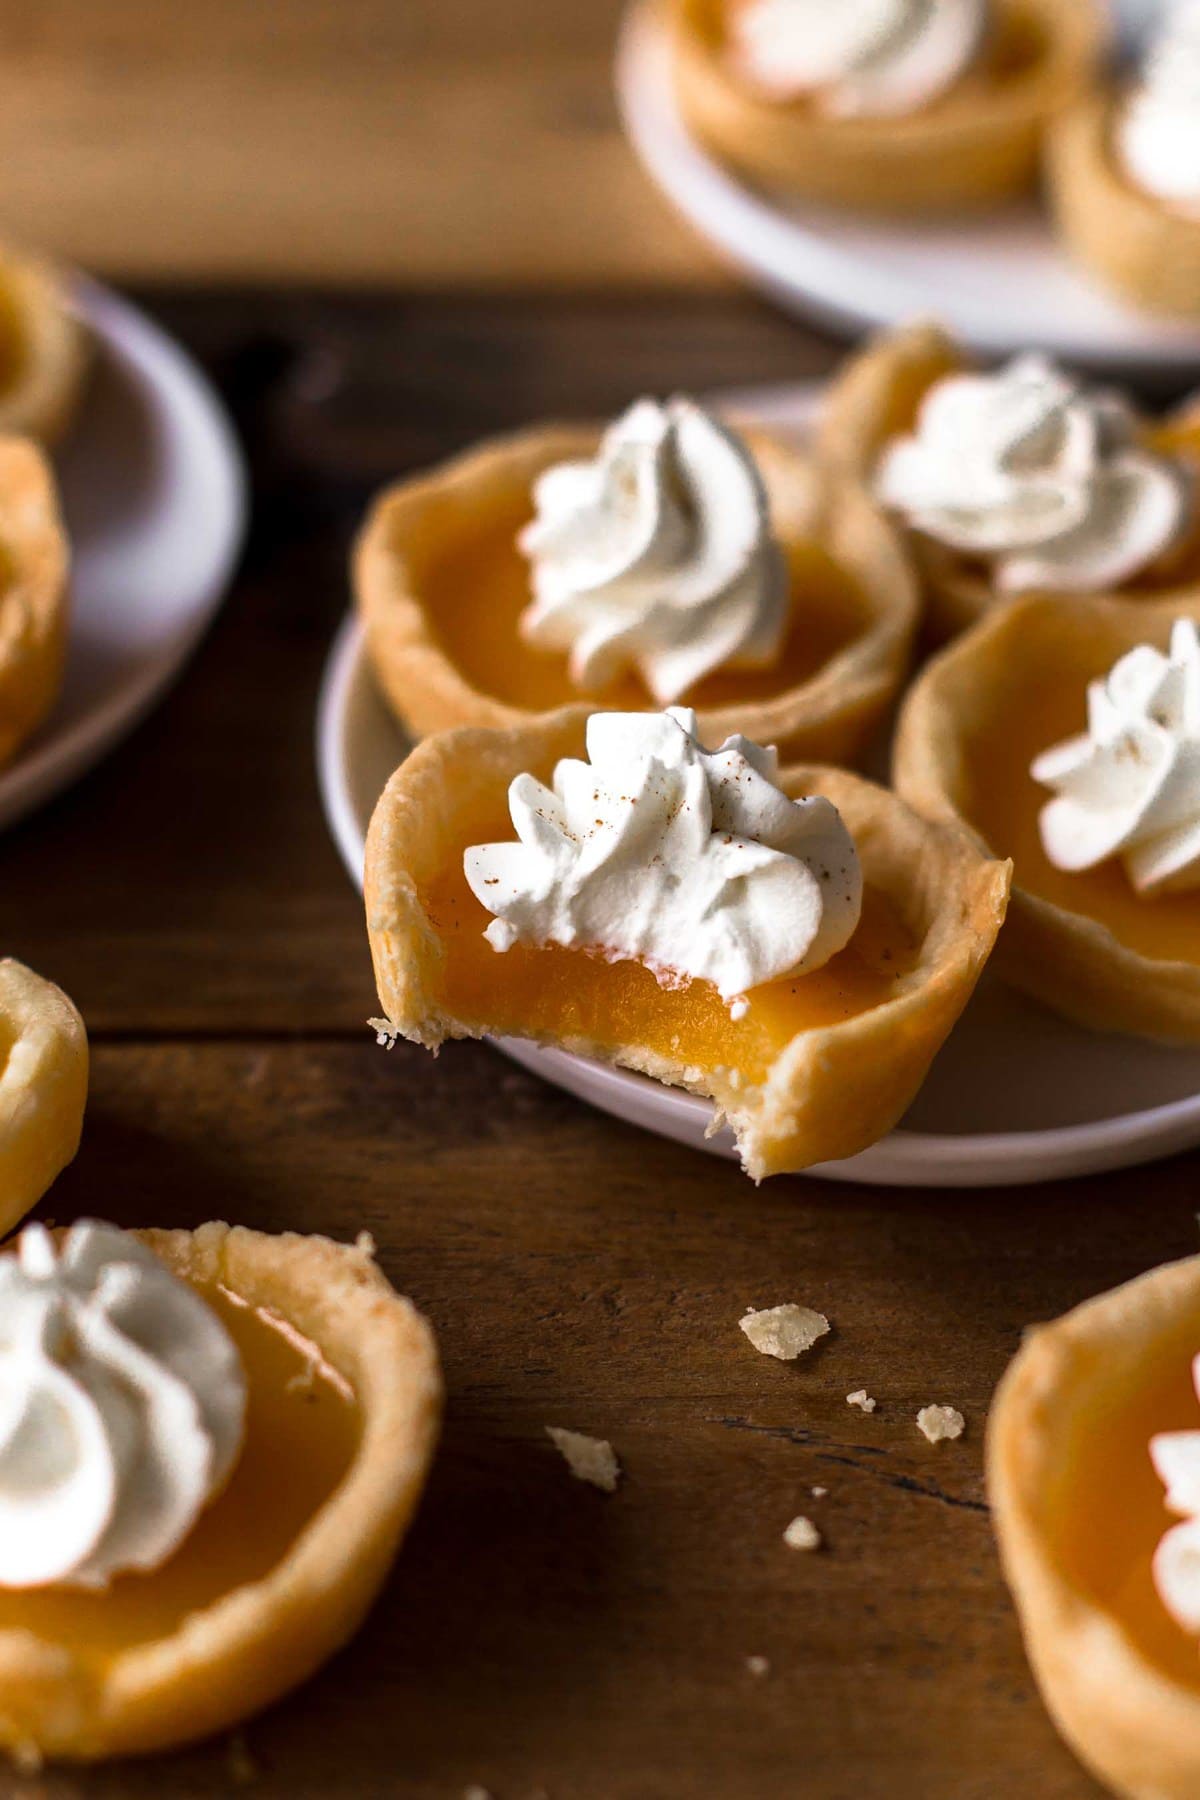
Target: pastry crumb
27 1758
589 1459
475 1792
784 1331
940 1422
802 1534
861 1399
819 1493
385 1032
243 1768
757 1666
364 1243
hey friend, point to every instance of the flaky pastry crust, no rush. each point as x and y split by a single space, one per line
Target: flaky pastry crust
834 1089
44 349
1069 961
976 145
832 715
1133 1724
43 1087
237 1655
34 564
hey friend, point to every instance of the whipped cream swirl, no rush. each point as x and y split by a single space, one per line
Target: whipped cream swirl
122 1403
1038 475
1130 785
1158 130
1176 1565
858 57
657 556
657 850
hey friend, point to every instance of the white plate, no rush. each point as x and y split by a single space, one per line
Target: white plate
154 496
999 283
1016 1095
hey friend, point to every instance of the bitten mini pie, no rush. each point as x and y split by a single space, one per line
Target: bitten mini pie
669 560
798 960
1104 921
913 107
43 349
34 561
43 1087
241 1425
1091 1459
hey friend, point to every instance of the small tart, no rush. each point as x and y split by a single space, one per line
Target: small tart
1146 250
43 1087
34 561
976 145
441 587
876 397
817 1068
43 349
1078 1511
344 1400
1084 943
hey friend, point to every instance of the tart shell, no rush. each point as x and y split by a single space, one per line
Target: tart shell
833 1089
832 715
975 146
44 349
237 1655
1134 1725
43 1087
34 562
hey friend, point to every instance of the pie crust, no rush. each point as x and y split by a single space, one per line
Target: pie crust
233 1657
43 1087
875 398
980 685
1126 1714
44 350
831 1088
34 561
976 145
1147 251
831 714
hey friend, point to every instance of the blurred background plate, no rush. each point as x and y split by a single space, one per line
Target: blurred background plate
154 496
1000 283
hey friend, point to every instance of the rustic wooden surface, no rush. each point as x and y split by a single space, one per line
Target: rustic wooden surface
537 1637
418 141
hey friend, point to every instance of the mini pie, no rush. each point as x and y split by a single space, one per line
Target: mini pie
43 1087
34 560
1078 1511
1145 250
344 1400
976 145
1084 943
876 398
441 586
818 1068
43 349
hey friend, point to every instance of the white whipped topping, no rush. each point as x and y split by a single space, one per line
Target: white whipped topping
1130 785
1158 131
858 57
657 850
1039 475
657 556
1176 1566
122 1402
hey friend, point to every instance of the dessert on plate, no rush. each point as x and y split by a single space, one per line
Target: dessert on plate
1093 1462
211 1443
892 106
43 1087
43 348
34 564
1065 734
1018 479
794 945
1124 174
668 559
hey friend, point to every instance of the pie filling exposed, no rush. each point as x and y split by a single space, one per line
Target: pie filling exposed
303 1427
476 586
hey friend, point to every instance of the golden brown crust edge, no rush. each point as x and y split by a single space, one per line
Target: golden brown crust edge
831 716
970 150
54 349
237 1655
43 1087
834 1090
1071 963
34 565
1126 1719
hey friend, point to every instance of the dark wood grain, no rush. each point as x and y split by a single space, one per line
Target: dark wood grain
538 1637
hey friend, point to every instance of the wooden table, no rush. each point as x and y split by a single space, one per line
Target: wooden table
537 1637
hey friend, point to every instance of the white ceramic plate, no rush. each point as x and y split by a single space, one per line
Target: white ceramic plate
999 283
155 499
